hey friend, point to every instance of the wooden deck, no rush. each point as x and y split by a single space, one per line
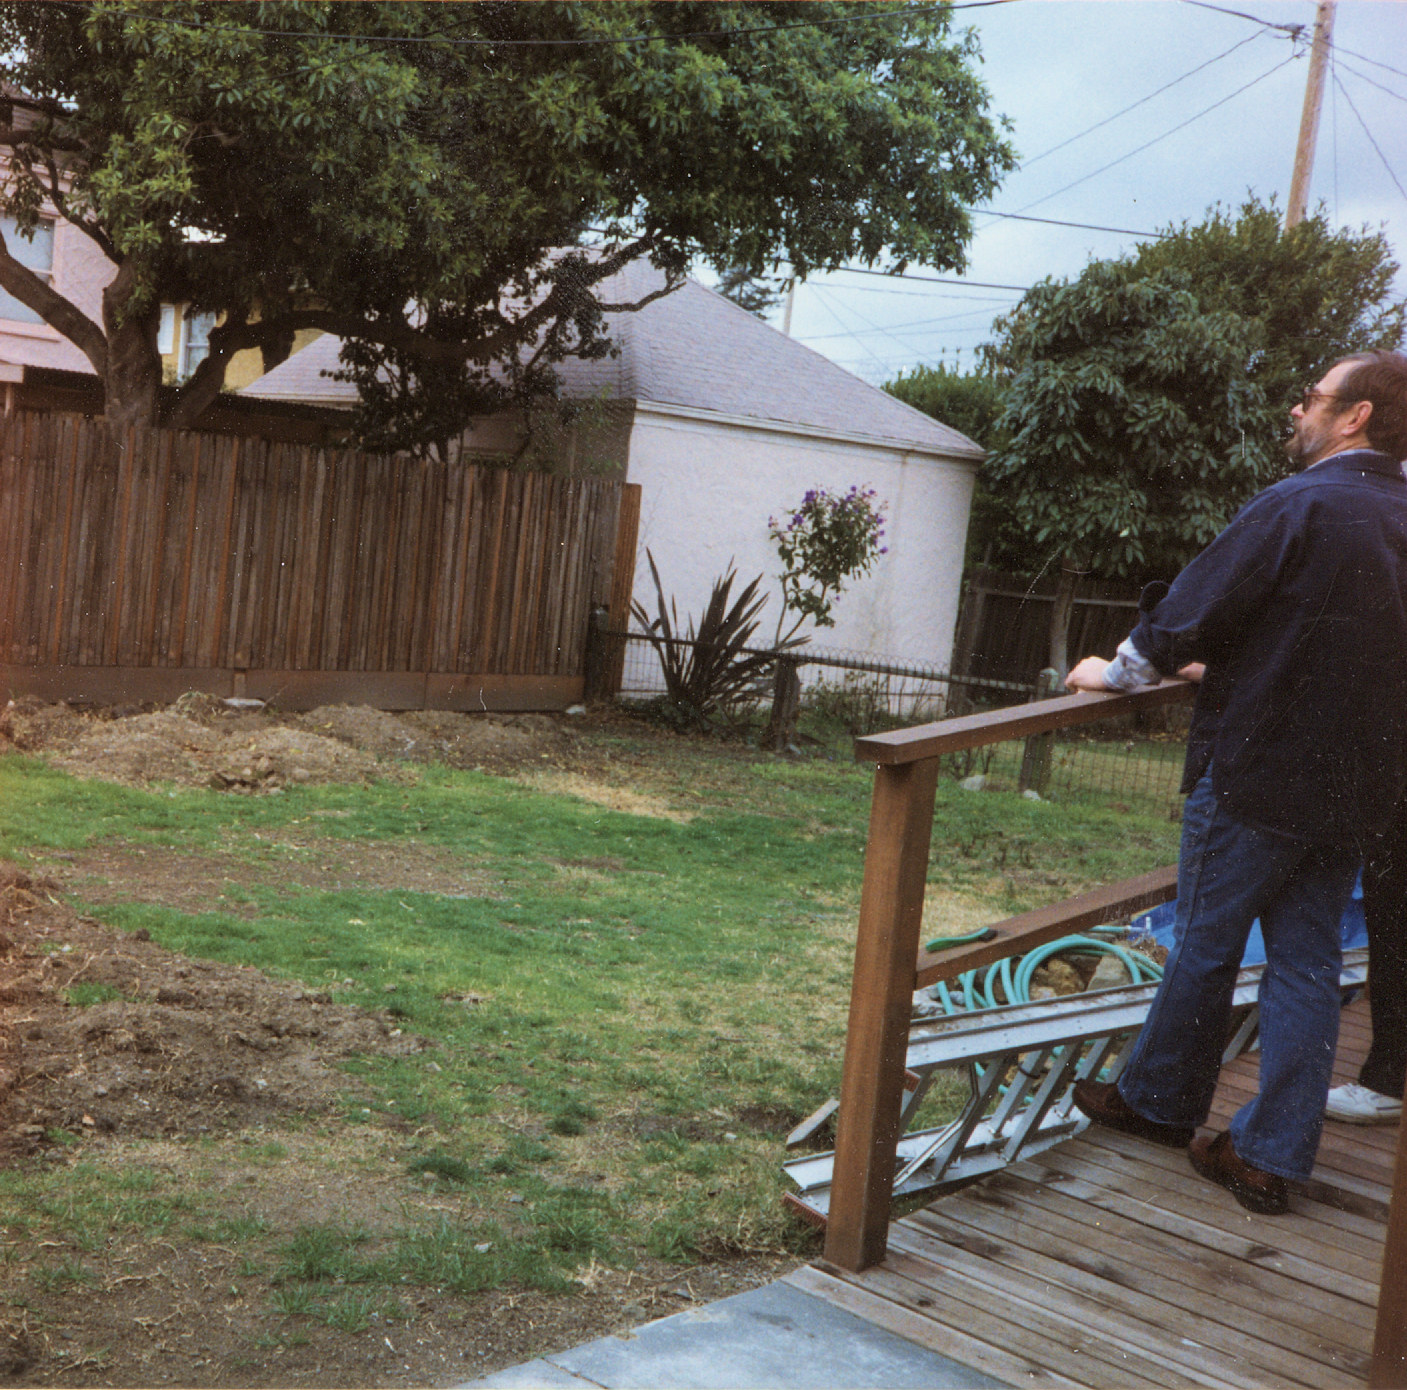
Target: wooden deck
1107 1262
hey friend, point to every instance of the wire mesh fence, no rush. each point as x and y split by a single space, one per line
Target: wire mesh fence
1134 763
1132 770
891 688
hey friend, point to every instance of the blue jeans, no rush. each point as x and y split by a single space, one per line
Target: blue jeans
1230 873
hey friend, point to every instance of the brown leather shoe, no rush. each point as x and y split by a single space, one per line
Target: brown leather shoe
1256 1190
1101 1101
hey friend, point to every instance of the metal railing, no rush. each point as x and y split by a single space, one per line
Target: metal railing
904 685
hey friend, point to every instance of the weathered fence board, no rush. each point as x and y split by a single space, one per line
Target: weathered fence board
134 558
1003 630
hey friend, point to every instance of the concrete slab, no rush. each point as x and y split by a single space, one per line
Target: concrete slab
534 1375
772 1338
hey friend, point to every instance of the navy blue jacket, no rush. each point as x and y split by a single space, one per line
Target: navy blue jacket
1299 609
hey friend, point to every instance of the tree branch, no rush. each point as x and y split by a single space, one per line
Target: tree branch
54 309
209 376
560 301
15 136
54 191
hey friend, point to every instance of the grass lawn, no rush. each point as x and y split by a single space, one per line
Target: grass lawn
628 1007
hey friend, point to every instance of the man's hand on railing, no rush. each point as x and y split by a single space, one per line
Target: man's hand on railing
1088 674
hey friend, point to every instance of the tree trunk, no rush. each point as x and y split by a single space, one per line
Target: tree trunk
1061 611
193 398
133 363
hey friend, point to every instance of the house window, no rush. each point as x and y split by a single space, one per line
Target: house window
166 332
37 254
196 347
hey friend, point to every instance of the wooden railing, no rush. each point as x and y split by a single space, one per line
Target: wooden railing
889 966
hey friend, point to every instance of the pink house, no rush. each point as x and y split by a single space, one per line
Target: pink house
78 270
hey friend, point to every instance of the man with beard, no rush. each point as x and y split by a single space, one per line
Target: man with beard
1296 758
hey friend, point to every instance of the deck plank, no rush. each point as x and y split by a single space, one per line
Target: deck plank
1240 1282
1207 1213
1098 1349
1106 1261
993 1358
1124 1277
1361 1231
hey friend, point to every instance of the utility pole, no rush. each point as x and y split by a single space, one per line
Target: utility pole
1309 119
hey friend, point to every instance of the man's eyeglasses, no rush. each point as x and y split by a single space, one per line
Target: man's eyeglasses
1309 395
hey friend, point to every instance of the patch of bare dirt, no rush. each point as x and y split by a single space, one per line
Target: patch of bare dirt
203 742
490 742
629 800
117 872
165 1044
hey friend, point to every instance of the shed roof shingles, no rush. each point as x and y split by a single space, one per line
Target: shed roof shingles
696 350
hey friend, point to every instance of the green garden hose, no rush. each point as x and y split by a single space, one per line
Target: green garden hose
1009 979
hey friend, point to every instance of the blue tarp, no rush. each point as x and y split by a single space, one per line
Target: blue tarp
1159 925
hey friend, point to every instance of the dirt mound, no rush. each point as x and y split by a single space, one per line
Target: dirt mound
169 747
200 741
497 742
107 1031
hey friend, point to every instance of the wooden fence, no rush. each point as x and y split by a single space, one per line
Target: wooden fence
1003 630
136 565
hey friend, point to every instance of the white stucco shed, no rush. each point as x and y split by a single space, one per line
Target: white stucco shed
725 422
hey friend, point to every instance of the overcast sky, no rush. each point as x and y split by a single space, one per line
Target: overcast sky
1058 67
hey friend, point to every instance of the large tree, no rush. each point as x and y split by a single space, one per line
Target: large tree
1148 399
398 173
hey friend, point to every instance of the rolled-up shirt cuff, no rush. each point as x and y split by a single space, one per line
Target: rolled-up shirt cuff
1130 668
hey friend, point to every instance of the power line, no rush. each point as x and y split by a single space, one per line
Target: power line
1057 222
1182 125
1364 58
924 290
1363 77
873 357
1371 141
914 326
1294 30
927 279
1099 125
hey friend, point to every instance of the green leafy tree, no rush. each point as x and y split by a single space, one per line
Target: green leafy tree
398 173
1129 429
1147 400
1316 294
969 402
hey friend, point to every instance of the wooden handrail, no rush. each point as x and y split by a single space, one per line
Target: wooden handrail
1017 935
887 944
889 966
1015 721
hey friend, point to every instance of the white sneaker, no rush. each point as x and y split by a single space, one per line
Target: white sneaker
1357 1105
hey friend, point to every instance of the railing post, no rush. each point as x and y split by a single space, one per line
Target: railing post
881 1004
1035 756
1389 1367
